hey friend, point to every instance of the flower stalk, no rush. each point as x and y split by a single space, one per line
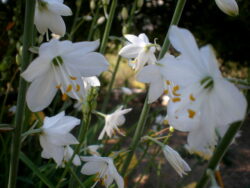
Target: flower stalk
219 152
19 118
175 20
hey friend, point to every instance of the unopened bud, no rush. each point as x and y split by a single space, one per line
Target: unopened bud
101 20
229 7
140 3
105 2
125 30
124 13
92 5
171 129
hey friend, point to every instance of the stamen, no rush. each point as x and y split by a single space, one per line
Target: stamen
73 78
78 87
64 97
58 86
168 82
166 92
176 99
191 97
69 88
175 89
191 113
165 122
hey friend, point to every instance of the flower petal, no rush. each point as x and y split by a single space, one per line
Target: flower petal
41 92
60 9
130 51
93 167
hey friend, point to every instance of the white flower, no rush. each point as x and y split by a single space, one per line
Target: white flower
155 75
55 136
206 100
229 7
104 169
89 82
92 149
173 157
139 49
112 121
68 153
60 65
48 16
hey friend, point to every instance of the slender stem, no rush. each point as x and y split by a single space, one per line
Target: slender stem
78 8
76 177
35 170
154 140
219 152
175 20
108 26
16 140
111 83
137 135
93 23
33 131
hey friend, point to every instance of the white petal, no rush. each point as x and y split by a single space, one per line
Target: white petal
38 67
93 167
66 124
144 37
80 48
228 102
229 7
210 61
130 51
60 9
57 25
91 64
41 92
41 21
149 74
184 42
61 139
51 121
156 89
134 39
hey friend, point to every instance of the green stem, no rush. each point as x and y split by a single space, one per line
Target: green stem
93 24
33 131
76 177
108 26
78 8
35 170
26 56
111 83
154 140
175 20
219 152
137 136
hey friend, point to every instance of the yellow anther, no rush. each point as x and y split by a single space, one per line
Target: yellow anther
166 92
77 87
176 99
64 97
165 122
58 86
105 177
69 88
73 78
168 82
191 97
175 89
191 113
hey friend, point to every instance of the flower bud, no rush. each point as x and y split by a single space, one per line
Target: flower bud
124 13
92 5
140 3
229 7
101 20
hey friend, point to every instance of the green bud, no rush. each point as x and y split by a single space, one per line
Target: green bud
124 13
125 30
140 3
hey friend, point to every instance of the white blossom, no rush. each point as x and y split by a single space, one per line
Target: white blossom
113 121
155 75
104 169
175 160
229 7
48 16
68 153
206 100
55 136
140 50
93 149
61 65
